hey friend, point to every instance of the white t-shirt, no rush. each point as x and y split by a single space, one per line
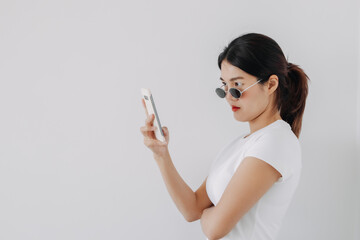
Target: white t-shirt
277 145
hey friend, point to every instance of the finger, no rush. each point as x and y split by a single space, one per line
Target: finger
149 120
166 133
147 142
148 131
144 104
145 129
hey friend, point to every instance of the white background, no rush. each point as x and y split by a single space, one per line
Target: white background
72 160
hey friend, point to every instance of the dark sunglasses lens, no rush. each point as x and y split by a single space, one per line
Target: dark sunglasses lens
221 93
235 93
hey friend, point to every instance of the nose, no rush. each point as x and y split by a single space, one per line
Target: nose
230 97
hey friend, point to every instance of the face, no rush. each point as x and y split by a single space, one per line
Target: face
253 102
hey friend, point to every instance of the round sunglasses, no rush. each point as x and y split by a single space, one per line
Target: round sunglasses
236 93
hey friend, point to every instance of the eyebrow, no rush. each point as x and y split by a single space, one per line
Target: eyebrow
233 79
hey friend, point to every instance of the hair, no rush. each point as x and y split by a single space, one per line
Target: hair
260 56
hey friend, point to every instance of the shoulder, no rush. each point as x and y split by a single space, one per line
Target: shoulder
278 136
277 146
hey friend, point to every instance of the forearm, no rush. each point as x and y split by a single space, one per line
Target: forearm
182 195
207 222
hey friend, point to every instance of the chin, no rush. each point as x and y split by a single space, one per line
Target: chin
241 118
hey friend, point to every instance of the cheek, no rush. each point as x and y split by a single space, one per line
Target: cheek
253 101
248 97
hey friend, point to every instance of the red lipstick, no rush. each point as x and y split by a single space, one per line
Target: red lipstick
234 108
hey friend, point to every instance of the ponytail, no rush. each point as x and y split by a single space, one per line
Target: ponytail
293 95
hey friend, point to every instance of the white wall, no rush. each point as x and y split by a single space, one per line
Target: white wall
357 232
72 160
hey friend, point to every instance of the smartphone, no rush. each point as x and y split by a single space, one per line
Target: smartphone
151 109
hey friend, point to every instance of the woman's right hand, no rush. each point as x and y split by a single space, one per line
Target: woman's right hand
158 147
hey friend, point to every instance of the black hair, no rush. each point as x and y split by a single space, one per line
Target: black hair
260 56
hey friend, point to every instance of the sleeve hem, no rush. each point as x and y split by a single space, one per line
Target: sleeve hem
284 174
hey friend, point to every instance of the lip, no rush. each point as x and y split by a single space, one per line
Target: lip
234 108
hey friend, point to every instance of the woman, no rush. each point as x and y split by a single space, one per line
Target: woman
253 178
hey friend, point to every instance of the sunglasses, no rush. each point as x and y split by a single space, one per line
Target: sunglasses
236 93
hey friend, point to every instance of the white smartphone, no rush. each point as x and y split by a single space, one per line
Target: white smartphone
151 109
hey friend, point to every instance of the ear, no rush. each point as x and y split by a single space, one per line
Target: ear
272 84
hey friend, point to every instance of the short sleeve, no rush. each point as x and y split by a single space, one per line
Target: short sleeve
276 149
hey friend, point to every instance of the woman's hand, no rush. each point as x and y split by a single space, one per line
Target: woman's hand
158 147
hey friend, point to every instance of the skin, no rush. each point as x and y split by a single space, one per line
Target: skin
255 103
252 179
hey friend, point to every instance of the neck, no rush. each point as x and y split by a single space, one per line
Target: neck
263 120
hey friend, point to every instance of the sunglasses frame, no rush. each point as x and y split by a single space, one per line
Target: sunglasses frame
236 93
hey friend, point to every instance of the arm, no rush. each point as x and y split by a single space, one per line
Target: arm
190 204
252 179
206 221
